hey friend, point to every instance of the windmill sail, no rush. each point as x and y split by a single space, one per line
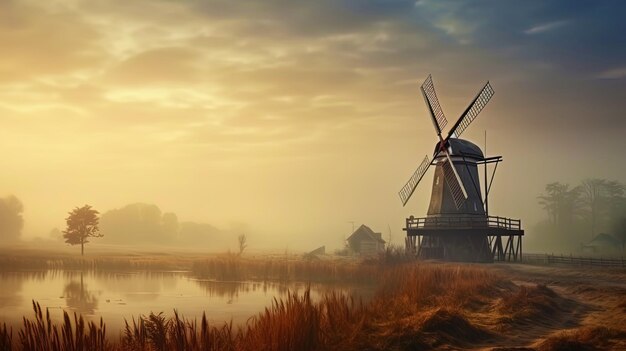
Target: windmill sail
454 182
472 111
408 189
436 113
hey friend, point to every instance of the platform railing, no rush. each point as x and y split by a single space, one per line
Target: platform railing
450 222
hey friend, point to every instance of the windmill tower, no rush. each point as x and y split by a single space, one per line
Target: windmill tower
457 226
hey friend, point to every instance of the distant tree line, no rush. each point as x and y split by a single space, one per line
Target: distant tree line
583 211
133 224
141 223
11 220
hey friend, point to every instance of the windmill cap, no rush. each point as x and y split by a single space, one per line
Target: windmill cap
462 147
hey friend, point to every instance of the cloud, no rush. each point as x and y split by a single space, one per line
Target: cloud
163 66
159 94
545 27
38 43
614 73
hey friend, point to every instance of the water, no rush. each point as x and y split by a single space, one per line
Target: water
115 296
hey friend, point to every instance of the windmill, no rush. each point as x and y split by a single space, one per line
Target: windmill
457 226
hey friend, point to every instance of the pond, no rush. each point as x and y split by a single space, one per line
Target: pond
116 296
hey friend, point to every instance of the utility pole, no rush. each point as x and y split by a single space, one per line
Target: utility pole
486 189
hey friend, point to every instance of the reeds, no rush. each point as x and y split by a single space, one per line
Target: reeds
418 306
104 263
41 334
6 337
235 268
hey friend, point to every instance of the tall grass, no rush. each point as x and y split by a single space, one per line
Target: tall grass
60 262
42 334
6 337
416 306
235 268
414 303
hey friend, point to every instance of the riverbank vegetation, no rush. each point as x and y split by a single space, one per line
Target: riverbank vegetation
416 306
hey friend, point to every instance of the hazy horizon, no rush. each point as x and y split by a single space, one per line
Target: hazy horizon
295 118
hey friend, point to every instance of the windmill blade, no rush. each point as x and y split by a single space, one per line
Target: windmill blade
436 113
472 111
408 189
454 182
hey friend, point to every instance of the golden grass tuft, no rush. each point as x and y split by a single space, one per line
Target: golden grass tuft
528 303
452 326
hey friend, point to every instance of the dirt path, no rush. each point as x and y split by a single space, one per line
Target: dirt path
587 298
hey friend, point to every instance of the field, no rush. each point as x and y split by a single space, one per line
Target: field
417 306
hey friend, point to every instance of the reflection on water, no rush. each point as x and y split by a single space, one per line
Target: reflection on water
115 296
78 298
10 288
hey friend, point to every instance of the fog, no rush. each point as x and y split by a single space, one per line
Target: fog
232 120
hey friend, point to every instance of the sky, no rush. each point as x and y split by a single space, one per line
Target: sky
296 118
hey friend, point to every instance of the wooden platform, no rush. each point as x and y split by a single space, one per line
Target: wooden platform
501 236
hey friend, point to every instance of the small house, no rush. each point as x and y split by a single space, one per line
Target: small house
602 244
365 242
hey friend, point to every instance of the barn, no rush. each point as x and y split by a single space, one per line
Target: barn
365 242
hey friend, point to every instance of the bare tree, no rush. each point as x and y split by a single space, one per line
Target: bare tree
242 243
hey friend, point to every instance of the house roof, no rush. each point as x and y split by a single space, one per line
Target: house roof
364 232
603 239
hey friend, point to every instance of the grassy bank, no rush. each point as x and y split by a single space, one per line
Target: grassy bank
222 267
418 306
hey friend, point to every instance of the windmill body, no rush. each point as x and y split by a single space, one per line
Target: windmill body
464 155
457 226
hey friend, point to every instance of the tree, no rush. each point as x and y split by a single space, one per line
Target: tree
82 223
600 196
242 243
561 202
593 196
618 220
169 224
55 234
619 229
11 221
138 224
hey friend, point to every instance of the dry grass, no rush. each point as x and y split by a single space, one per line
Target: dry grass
235 268
417 306
42 334
586 338
6 337
97 263
408 312
527 304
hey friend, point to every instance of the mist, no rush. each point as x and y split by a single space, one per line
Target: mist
310 130
244 175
